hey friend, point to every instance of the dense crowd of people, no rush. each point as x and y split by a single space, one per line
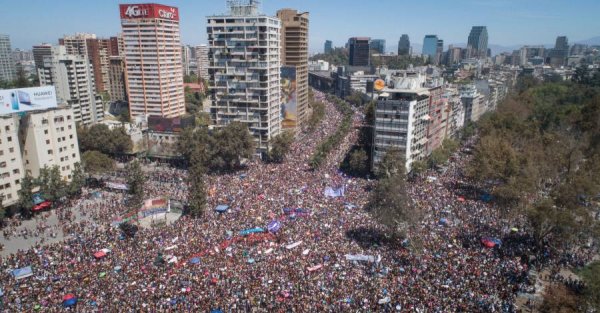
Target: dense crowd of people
326 253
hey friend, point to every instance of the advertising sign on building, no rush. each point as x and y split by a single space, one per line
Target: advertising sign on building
148 10
289 95
27 99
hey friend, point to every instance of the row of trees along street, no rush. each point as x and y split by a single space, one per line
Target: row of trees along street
539 156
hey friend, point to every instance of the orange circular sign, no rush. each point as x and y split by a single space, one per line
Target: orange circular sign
379 85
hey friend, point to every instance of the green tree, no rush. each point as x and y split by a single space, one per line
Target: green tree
235 143
77 180
52 186
389 203
358 162
100 138
591 277
135 182
25 203
391 164
198 142
280 146
197 188
95 162
338 56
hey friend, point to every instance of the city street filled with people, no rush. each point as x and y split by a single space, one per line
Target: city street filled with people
279 243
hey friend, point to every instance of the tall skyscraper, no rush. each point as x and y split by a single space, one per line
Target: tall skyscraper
430 43
153 70
439 51
116 73
7 65
378 45
294 53
478 41
202 61
245 70
73 77
328 46
559 54
359 48
404 45
39 52
186 58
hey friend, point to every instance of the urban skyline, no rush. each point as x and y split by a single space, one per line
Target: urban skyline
509 22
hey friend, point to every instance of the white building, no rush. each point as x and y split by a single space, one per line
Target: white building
73 77
7 64
245 70
202 61
401 119
11 163
153 67
474 104
49 138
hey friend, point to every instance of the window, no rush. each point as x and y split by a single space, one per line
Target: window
70 136
50 151
9 139
9 196
73 155
2 164
45 132
17 182
11 150
47 141
16 171
62 159
1 152
58 139
7 128
44 121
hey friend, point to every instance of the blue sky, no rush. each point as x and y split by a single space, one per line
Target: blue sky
509 22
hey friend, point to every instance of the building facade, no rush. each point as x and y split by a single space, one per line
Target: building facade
401 118
7 64
116 73
153 67
378 45
202 61
404 45
49 138
11 162
73 78
328 46
245 71
478 41
560 53
360 51
430 43
40 52
294 53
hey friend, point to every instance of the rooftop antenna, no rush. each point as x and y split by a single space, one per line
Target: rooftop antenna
243 7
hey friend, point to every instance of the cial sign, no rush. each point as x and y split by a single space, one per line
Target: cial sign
27 99
135 11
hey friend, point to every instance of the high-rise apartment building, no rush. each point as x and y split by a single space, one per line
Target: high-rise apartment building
202 61
294 53
328 47
116 73
40 52
473 103
404 45
7 65
430 43
97 51
73 77
185 59
360 51
439 51
153 67
478 41
378 45
245 70
401 118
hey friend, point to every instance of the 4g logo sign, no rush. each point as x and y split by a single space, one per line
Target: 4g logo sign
134 11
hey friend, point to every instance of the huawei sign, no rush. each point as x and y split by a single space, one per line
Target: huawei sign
134 11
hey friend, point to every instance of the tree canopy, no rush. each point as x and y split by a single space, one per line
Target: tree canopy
101 138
